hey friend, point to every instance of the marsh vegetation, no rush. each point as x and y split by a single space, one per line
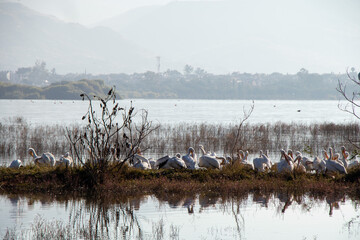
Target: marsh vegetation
170 139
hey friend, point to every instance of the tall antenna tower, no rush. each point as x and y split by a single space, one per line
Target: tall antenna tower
158 64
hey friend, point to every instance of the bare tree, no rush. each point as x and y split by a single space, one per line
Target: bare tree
109 137
352 97
246 115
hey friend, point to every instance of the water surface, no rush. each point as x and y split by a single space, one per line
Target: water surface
174 111
276 216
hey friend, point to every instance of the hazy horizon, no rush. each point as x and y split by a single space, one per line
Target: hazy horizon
220 37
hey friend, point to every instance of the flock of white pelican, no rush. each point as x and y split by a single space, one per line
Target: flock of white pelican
329 162
288 162
46 159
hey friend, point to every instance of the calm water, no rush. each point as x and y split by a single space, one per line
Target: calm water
253 217
276 216
188 111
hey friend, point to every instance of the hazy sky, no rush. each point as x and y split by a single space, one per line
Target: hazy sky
228 35
88 12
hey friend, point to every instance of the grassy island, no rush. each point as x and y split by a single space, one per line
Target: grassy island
229 181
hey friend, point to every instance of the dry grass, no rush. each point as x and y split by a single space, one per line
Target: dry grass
230 181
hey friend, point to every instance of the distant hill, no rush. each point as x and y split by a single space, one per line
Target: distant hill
247 35
62 90
27 36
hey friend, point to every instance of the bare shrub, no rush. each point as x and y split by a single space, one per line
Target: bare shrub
109 137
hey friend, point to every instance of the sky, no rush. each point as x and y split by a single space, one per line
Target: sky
88 12
252 36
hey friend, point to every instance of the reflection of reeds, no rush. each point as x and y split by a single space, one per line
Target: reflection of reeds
170 139
112 216
44 229
158 230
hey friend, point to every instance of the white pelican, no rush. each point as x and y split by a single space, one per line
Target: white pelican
141 162
286 165
222 159
161 162
344 157
190 158
262 163
345 160
152 163
16 164
334 166
240 156
319 165
65 160
228 160
354 163
176 162
298 164
170 162
290 153
334 157
46 158
143 165
138 160
208 161
325 155
245 160
304 161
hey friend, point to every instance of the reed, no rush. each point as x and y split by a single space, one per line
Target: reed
20 136
170 139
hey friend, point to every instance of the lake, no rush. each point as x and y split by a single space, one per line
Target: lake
172 111
253 216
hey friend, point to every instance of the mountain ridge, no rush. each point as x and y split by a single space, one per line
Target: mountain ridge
27 36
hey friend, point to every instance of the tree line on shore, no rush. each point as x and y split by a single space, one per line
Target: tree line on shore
59 91
172 84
